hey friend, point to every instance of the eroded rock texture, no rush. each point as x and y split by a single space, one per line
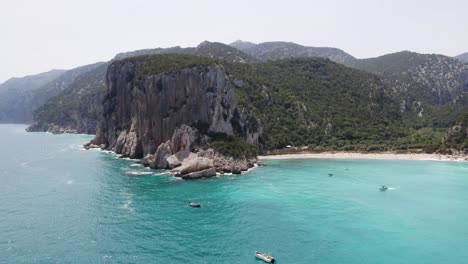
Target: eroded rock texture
142 112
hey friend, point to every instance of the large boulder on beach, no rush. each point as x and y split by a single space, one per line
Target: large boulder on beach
194 164
206 173
176 160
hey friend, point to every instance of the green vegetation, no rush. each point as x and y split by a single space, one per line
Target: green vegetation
457 137
233 146
79 106
303 102
324 105
391 64
308 101
154 64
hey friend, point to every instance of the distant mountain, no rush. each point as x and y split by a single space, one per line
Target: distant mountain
222 51
242 45
208 49
282 50
16 96
22 96
434 78
431 85
31 82
76 108
463 57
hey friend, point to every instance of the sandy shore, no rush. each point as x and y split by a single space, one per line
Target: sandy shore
379 156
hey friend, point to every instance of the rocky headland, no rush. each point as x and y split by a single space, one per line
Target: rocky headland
177 112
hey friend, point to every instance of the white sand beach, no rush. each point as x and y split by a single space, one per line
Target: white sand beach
356 155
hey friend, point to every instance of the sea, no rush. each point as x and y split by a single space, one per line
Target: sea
60 203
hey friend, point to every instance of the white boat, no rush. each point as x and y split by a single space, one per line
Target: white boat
265 257
383 188
194 204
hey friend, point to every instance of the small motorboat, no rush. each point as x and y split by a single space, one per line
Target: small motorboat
265 257
330 174
383 188
192 204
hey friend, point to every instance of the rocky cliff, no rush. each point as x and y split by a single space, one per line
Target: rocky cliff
149 97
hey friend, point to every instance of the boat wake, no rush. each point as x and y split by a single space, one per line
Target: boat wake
128 202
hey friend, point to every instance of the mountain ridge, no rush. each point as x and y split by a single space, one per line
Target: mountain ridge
463 57
428 90
275 50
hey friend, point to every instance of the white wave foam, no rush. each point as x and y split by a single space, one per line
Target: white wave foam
69 182
136 165
140 172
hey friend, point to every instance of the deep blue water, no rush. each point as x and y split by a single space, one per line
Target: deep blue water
62 204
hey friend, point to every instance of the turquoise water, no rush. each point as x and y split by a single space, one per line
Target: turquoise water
63 204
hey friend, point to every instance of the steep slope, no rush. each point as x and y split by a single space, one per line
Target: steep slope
77 108
433 86
16 96
282 50
30 82
317 102
463 57
19 104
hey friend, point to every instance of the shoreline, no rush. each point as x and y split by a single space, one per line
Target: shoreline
369 156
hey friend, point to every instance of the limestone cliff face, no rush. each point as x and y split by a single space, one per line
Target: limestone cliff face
141 112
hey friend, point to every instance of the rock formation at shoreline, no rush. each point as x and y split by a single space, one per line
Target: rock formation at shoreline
159 113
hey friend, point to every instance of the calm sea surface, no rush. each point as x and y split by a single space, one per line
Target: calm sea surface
62 204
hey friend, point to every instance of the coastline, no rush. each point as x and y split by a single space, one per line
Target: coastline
373 156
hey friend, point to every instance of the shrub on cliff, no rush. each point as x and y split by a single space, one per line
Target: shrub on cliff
154 64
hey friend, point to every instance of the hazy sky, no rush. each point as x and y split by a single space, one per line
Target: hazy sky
39 35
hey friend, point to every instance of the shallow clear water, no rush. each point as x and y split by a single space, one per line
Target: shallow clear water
62 204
